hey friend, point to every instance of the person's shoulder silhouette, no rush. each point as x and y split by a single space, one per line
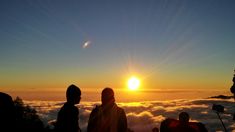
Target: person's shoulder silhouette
67 119
7 112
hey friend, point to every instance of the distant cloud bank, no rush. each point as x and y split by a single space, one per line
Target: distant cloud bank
143 116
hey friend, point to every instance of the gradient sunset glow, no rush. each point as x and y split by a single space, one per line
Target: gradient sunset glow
177 45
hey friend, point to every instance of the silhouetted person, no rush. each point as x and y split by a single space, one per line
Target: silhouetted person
181 125
67 119
173 125
7 113
108 117
184 123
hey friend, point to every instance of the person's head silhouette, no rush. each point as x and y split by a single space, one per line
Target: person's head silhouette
184 117
73 94
107 96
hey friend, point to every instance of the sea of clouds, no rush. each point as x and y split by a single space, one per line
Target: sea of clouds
143 116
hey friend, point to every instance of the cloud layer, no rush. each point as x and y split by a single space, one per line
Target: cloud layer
143 116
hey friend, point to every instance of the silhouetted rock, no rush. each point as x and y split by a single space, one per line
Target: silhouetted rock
222 97
7 113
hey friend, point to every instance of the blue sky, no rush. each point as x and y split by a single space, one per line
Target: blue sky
185 42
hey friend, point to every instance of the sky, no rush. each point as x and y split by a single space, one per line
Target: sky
167 44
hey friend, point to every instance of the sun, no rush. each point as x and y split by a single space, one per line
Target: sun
133 83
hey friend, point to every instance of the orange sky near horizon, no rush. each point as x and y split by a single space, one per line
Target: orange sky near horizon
162 81
122 95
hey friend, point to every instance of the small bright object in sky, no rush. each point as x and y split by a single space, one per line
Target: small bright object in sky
133 83
86 44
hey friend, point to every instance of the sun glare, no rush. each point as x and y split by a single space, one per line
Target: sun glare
133 83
